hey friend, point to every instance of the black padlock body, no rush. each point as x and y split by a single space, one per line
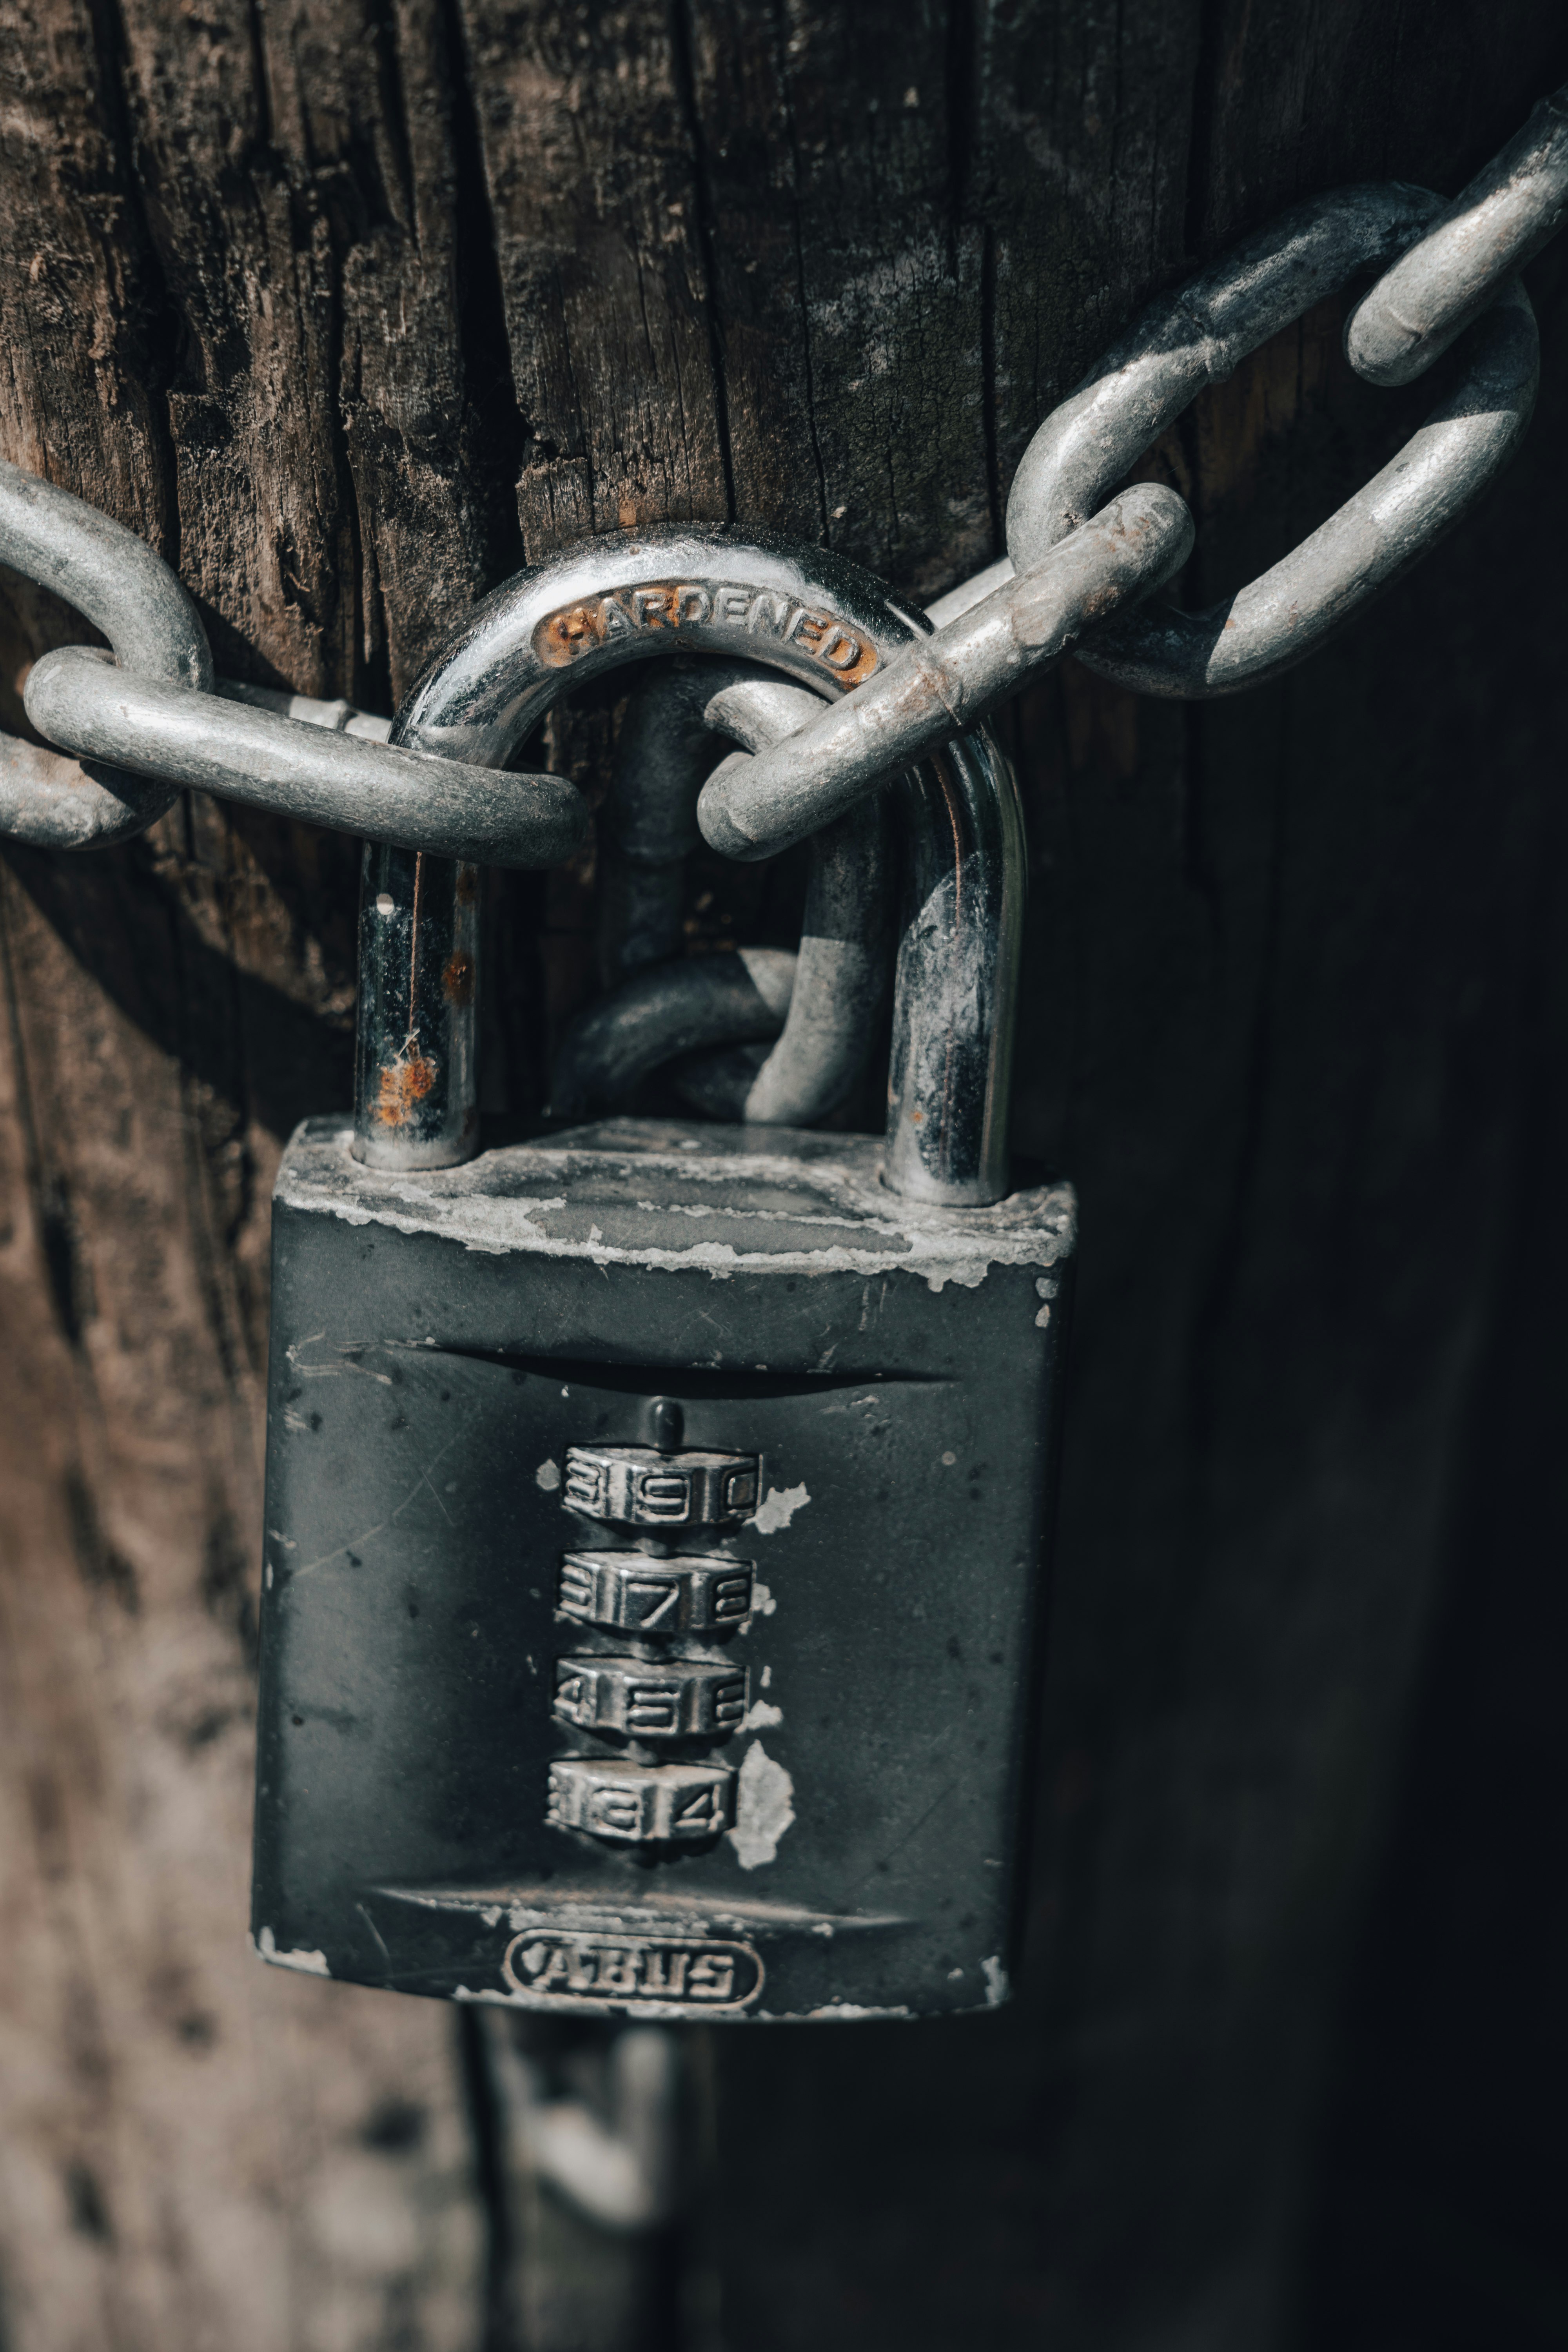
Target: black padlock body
441 1342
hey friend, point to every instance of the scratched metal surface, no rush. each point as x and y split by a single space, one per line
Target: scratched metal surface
439 1346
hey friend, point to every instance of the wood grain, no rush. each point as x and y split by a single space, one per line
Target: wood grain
350 305
197 2150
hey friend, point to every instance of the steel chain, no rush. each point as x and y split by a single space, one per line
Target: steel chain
151 716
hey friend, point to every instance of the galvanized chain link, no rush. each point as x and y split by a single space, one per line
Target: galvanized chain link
1510 209
1182 342
151 718
158 721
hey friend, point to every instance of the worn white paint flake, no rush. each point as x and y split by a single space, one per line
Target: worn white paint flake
778 1509
309 1964
849 2011
763 1808
846 1223
548 1476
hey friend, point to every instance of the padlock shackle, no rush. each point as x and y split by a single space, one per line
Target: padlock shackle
802 611
955 989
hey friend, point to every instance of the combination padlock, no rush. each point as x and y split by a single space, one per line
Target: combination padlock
655 1508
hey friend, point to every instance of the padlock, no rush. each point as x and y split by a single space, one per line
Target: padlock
656 1509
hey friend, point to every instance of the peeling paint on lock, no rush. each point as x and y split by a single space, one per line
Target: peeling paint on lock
535 1729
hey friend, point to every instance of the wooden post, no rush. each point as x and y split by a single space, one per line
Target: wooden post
350 307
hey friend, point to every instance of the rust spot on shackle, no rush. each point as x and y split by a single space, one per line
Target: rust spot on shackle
404 1084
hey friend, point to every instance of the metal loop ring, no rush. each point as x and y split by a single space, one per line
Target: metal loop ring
1197 337
154 711
826 1002
1510 209
752 806
126 589
317 770
737 997
841 968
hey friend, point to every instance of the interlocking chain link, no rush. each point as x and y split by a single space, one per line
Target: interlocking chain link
1197 338
153 719
1494 226
106 573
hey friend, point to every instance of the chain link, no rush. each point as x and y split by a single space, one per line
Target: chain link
1503 218
1197 338
128 592
154 718
755 804
310 769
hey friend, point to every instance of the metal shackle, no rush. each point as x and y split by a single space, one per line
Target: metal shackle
818 620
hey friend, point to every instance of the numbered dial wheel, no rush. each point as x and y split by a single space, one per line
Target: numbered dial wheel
686 1699
640 1804
635 1594
638 1486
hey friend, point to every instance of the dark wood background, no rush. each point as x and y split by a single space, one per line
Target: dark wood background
351 306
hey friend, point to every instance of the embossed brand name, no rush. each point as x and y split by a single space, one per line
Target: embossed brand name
706 608
633 1968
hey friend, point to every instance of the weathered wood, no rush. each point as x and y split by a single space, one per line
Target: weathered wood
348 305
197 2150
